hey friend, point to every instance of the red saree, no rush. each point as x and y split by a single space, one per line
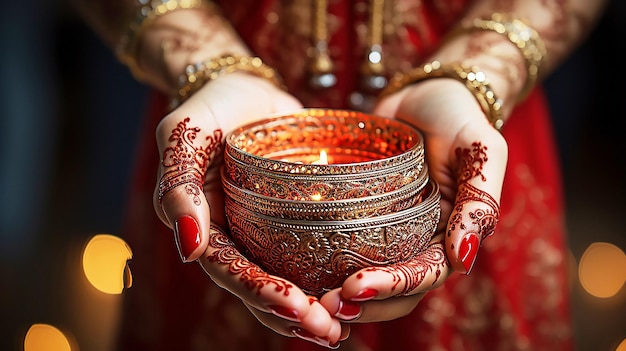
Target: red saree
517 295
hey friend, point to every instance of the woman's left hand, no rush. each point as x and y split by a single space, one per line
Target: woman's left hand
467 157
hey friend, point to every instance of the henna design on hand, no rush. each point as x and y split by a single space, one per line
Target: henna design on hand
252 276
187 161
472 162
432 259
482 220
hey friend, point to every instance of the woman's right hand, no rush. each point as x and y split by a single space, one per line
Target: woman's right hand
189 199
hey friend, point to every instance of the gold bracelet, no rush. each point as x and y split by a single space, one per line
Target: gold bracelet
523 36
148 11
474 79
196 75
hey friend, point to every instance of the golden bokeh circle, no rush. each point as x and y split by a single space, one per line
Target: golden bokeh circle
44 337
602 269
105 259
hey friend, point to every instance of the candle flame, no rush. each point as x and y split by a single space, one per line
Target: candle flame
323 160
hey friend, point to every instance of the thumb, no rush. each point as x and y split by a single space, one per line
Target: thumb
476 210
187 146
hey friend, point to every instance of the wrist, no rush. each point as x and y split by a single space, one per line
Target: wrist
198 74
498 58
169 40
474 80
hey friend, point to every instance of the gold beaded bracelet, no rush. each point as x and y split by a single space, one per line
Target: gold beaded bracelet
196 75
474 79
522 35
148 11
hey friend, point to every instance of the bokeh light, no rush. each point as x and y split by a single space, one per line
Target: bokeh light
44 337
105 263
602 269
621 346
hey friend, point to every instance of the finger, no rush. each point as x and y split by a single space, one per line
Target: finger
318 327
386 293
476 211
233 272
426 271
187 146
369 311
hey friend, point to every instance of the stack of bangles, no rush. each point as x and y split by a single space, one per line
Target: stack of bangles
525 38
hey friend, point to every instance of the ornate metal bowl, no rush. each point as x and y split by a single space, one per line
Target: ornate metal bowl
318 255
315 223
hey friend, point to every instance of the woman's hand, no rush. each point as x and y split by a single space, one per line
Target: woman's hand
467 157
189 198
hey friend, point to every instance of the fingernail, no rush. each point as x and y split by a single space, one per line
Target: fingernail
348 310
306 335
364 295
334 345
285 312
187 236
468 251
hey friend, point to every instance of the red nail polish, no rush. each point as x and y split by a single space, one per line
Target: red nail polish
187 236
468 251
348 310
364 295
285 312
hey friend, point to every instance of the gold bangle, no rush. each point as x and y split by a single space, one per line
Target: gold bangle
523 36
196 75
147 12
474 79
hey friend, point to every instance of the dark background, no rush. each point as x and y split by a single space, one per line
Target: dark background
69 121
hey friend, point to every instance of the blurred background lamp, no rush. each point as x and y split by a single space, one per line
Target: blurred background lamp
105 262
602 269
44 337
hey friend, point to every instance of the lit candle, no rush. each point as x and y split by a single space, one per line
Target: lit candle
323 160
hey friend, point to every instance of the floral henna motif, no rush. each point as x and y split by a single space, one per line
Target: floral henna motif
187 162
432 259
253 277
481 220
472 162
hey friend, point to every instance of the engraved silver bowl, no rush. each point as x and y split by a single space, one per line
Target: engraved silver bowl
318 255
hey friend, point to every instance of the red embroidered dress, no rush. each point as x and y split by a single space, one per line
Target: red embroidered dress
517 295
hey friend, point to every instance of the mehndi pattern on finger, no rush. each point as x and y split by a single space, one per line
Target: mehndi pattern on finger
251 275
481 220
413 273
473 161
186 161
